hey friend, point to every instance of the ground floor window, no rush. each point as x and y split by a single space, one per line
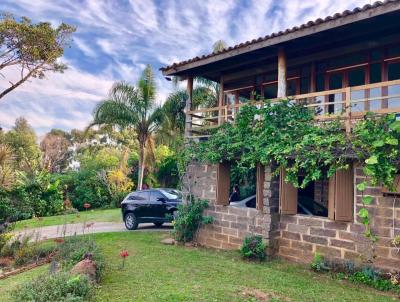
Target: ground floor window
313 199
240 187
333 197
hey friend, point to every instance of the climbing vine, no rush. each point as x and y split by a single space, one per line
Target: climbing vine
286 135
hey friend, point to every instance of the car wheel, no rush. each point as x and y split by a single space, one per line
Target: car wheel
131 221
158 224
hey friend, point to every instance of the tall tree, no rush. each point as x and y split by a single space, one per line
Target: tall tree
32 48
173 123
56 152
132 107
22 141
7 172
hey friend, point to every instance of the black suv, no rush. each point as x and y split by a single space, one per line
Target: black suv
154 205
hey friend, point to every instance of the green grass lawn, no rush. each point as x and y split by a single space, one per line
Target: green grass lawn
112 215
156 272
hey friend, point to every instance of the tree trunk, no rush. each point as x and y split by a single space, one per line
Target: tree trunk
141 165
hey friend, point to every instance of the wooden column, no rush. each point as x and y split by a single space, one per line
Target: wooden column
281 74
221 110
188 107
313 78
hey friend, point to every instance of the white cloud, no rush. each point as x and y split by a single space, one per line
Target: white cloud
116 39
87 50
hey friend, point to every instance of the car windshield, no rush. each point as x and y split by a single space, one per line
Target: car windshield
171 193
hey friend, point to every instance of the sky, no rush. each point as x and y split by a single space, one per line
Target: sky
116 39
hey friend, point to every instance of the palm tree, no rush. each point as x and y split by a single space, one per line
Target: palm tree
173 124
131 107
219 46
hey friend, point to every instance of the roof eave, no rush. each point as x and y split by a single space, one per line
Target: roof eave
282 37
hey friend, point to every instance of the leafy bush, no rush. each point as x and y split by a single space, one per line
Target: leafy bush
60 287
11 248
190 218
371 277
74 249
253 247
37 195
83 187
31 253
319 264
5 238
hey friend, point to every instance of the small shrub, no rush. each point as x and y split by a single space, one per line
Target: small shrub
349 267
253 247
61 287
319 264
13 246
30 253
74 249
190 218
5 238
24 255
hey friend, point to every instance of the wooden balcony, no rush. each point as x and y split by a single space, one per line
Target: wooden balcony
349 104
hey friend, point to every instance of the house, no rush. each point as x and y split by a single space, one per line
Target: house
345 64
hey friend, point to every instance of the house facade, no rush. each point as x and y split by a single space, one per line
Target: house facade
343 65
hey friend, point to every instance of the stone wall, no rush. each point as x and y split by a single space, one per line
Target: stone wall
232 224
298 237
302 236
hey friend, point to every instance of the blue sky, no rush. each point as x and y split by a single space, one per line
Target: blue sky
116 39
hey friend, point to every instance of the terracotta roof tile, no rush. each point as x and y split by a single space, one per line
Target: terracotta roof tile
289 30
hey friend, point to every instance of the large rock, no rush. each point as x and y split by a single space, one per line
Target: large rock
168 241
85 267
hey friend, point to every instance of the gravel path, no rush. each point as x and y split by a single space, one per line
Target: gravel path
55 231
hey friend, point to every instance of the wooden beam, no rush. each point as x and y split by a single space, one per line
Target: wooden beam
188 108
281 73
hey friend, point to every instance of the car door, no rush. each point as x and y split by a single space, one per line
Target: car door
158 204
140 201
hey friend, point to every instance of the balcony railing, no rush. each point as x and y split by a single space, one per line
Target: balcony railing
348 103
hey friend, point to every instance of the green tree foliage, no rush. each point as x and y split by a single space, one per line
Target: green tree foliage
131 107
34 49
284 134
101 180
37 194
22 141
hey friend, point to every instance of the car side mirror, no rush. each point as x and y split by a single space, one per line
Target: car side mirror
162 199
